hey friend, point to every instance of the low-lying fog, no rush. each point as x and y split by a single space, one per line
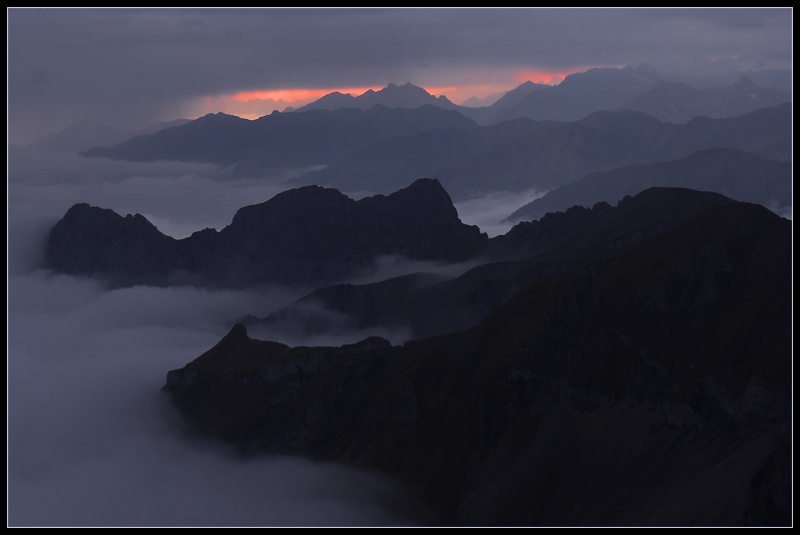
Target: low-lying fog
91 439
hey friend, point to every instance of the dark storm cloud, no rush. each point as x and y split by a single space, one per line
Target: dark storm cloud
143 65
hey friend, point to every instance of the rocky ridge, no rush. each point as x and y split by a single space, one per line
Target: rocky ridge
309 235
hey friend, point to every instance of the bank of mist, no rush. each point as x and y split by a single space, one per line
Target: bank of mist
91 439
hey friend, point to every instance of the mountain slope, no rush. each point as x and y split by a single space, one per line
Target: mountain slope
652 388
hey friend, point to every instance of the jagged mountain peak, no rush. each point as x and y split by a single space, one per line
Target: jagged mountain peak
393 95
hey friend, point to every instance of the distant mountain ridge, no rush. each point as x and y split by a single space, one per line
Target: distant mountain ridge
637 88
523 154
391 96
734 173
338 126
281 140
679 103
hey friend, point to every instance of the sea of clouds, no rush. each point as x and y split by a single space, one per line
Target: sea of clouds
92 441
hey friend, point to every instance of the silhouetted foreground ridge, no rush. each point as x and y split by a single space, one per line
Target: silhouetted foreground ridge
651 387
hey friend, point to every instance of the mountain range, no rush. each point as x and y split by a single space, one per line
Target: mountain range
673 102
522 154
583 93
735 173
281 140
371 147
337 125
648 386
392 96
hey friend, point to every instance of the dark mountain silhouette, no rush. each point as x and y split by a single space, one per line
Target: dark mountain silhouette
392 96
651 388
281 140
309 235
672 102
424 304
523 154
411 96
740 175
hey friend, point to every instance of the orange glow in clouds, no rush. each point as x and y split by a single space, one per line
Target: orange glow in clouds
255 104
293 95
541 77
436 91
546 77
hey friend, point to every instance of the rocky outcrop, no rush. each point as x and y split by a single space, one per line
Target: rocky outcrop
650 388
311 235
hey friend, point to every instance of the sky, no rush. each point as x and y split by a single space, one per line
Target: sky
131 68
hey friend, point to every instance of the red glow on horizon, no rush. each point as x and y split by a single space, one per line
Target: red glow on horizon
436 91
293 95
255 104
541 77
553 78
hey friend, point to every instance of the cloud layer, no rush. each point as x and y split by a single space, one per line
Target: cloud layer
91 440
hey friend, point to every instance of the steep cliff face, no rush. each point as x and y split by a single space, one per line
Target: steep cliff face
302 236
649 388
